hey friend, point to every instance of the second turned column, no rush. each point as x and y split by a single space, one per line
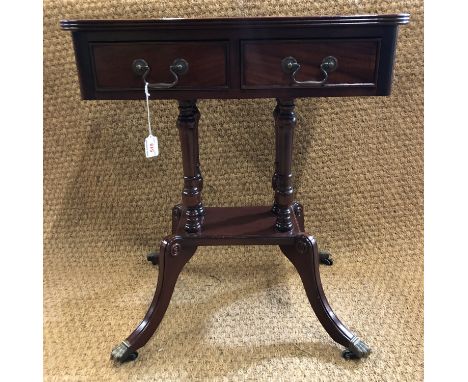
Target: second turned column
285 122
187 123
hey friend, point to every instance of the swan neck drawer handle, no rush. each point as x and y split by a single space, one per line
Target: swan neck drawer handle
291 66
179 67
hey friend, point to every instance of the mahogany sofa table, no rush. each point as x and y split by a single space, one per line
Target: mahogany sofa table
270 57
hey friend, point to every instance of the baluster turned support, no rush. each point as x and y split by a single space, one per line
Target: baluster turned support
197 151
285 122
187 124
274 179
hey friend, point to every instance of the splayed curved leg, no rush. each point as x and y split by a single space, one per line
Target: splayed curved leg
177 211
172 258
299 212
305 258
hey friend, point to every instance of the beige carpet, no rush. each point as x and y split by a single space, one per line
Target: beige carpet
237 313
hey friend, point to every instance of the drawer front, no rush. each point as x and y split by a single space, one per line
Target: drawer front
357 62
112 64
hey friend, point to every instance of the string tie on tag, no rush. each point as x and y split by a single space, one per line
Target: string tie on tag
151 142
147 107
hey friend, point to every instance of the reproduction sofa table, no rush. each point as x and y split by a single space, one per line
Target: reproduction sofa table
269 57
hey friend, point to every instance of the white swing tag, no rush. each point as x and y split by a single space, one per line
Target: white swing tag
151 146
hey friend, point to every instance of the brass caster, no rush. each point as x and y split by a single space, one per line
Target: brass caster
357 349
153 257
123 353
325 258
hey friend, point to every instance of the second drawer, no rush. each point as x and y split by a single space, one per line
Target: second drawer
261 62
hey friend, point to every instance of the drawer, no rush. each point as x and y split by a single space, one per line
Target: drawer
112 64
356 62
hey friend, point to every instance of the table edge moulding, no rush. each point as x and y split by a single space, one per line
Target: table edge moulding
232 58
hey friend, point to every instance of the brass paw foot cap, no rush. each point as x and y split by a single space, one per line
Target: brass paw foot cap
123 353
357 349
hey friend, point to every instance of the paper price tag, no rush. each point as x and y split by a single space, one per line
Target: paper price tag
151 146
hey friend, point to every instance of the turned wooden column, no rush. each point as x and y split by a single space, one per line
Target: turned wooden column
285 121
187 123
197 150
274 180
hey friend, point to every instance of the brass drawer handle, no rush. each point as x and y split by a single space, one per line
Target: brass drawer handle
178 67
291 66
